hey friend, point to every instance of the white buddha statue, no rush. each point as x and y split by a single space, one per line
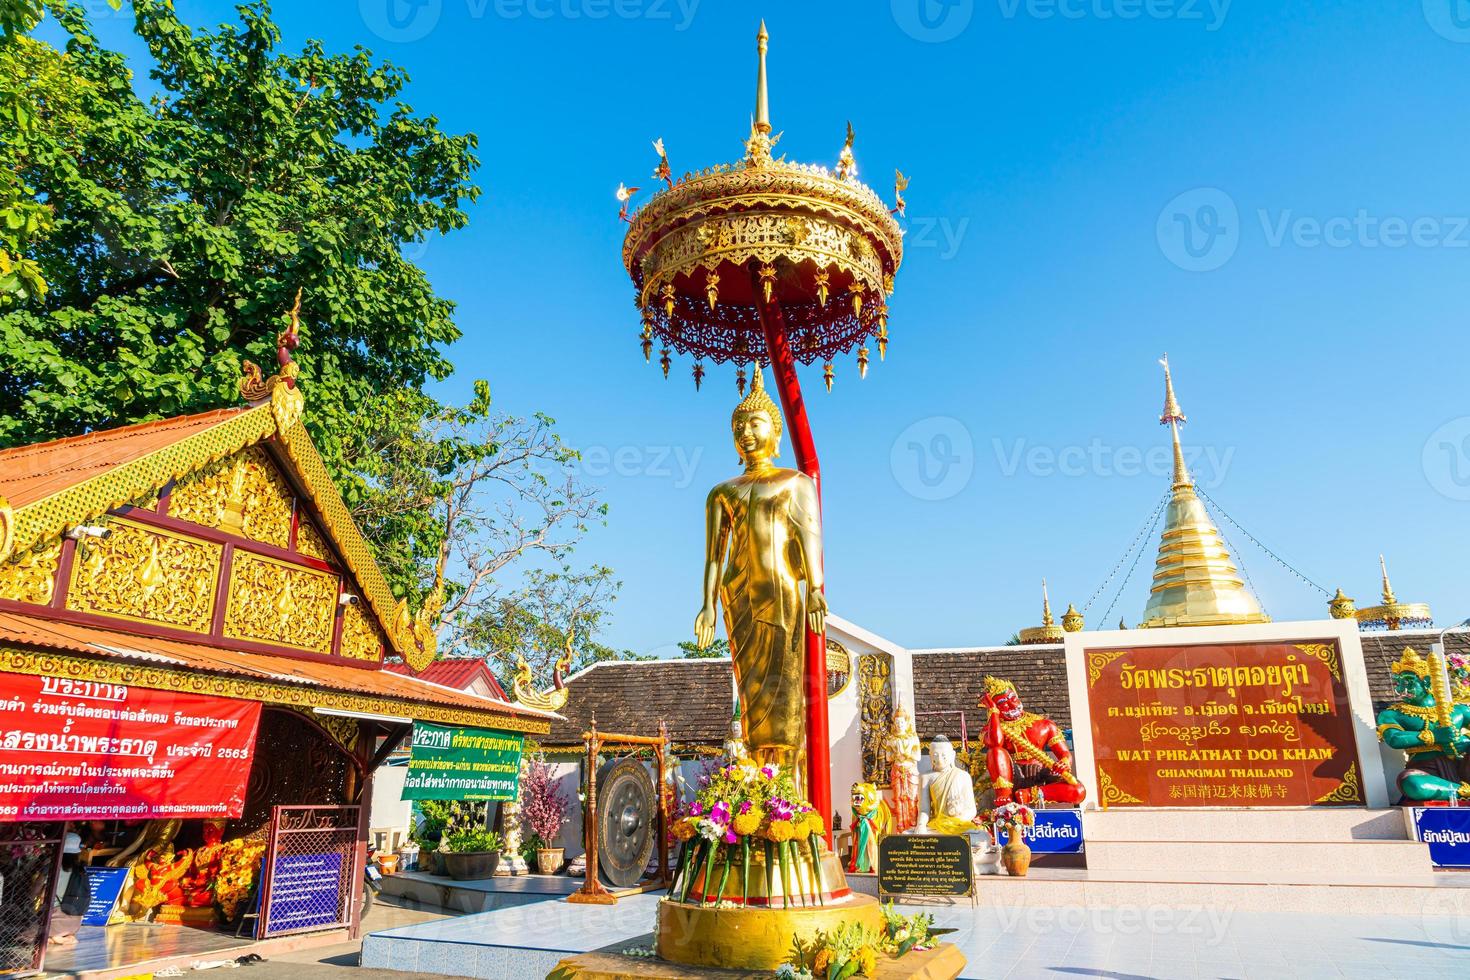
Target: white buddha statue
949 802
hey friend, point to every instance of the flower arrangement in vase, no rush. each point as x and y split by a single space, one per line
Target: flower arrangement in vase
1012 818
545 811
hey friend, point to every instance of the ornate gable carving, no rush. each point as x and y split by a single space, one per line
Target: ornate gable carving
146 575
276 602
241 494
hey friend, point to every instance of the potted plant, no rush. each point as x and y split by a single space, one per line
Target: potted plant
545 811
472 854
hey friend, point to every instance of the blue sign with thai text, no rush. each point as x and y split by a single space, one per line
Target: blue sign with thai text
1446 829
107 884
1055 832
305 892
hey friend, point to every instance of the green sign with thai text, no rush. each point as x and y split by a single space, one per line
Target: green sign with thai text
463 764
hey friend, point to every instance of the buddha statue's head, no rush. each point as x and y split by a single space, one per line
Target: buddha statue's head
941 753
756 425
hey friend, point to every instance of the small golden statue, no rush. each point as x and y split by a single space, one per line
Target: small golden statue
763 540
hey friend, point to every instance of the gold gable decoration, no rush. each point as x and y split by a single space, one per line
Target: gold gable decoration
242 494
361 640
30 576
273 601
309 540
146 575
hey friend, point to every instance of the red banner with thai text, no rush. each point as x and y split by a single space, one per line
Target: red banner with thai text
84 750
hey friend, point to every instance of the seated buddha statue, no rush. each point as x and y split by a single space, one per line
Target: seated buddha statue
950 797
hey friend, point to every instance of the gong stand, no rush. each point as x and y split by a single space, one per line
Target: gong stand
593 892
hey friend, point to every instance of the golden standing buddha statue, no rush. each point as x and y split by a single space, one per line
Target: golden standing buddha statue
763 540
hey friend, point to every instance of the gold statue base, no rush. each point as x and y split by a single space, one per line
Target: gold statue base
752 938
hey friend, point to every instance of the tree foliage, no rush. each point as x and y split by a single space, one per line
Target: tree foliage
177 229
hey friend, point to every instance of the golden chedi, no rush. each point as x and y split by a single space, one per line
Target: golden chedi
1195 582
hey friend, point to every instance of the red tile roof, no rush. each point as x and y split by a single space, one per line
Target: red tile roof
457 673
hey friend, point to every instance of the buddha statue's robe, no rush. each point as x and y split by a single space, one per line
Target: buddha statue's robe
951 802
765 615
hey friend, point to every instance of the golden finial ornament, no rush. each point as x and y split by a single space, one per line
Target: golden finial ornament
883 342
1048 631
767 273
1072 621
712 288
1122 623
740 380
862 362
646 341
667 294
698 375
857 298
823 281
1392 614
827 375
1341 606
900 184
846 162
664 362
762 102
1195 582
662 171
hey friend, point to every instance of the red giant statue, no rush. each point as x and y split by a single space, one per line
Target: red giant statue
1025 753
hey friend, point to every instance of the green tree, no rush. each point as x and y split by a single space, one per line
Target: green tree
181 227
719 648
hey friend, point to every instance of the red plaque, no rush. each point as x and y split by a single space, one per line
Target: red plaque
1255 724
83 750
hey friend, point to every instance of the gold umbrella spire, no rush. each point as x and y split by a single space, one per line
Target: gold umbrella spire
1392 614
1195 582
762 104
1048 631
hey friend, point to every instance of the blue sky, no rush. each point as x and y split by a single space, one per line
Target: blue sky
1275 194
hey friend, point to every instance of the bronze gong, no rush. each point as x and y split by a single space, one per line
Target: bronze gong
626 821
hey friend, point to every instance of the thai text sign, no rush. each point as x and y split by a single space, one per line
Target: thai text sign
1055 832
1254 724
305 892
83 750
1446 829
925 864
463 764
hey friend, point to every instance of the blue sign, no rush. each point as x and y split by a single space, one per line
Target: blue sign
1055 832
1446 829
305 893
107 884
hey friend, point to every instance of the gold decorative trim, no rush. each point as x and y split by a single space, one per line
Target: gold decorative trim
17 660
1097 662
30 575
344 731
1350 790
274 601
1109 791
1325 652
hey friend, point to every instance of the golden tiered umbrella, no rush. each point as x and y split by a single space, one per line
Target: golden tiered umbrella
767 262
1392 614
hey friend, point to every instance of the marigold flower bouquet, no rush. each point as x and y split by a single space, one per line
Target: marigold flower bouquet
739 807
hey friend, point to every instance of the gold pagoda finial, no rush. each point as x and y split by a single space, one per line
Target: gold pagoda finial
762 104
1072 621
1048 631
1195 581
1046 619
1342 606
1173 417
1388 597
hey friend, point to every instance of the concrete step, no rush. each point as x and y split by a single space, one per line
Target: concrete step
1291 861
1307 824
1216 893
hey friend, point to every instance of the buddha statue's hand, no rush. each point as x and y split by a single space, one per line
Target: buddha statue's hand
704 627
816 611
